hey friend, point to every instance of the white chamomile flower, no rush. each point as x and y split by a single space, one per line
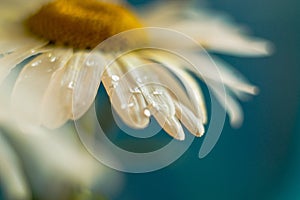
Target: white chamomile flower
58 37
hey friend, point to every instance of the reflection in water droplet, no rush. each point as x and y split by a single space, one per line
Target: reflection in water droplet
135 90
115 78
147 112
36 63
157 92
71 85
53 59
130 105
139 80
90 63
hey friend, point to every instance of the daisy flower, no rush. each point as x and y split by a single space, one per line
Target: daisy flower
57 36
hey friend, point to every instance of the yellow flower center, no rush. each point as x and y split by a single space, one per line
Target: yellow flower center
81 23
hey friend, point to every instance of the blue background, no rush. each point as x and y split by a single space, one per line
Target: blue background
260 160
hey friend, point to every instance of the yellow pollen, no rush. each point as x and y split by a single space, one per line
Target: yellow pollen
81 23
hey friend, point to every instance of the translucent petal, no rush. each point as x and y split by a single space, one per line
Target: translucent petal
7 47
234 79
10 61
159 101
33 82
218 37
57 102
88 82
11 9
232 107
213 30
214 70
190 121
125 96
171 125
206 70
56 155
193 89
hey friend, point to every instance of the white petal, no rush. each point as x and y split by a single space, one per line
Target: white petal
210 73
232 107
10 61
32 83
234 79
190 121
125 96
57 102
160 102
17 9
211 69
212 30
56 155
220 38
87 83
12 175
193 89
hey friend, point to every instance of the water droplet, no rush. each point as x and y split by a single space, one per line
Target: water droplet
114 85
130 105
53 59
135 90
147 112
71 85
36 63
156 106
139 80
157 92
90 63
115 78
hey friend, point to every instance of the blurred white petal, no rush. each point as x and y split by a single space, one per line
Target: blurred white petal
212 30
10 61
11 174
32 83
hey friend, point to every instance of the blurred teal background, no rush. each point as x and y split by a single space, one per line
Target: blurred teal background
260 160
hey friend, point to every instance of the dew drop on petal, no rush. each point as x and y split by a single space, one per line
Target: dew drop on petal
130 105
147 112
90 63
36 63
157 92
71 85
53 59
135 90
115 78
